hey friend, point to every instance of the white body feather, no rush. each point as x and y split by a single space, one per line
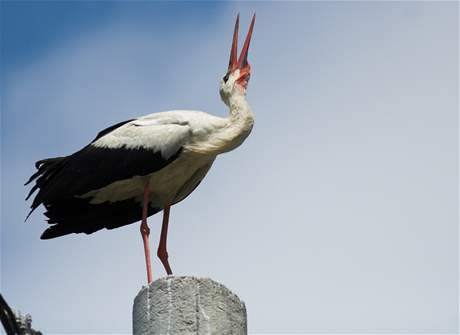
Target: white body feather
200 135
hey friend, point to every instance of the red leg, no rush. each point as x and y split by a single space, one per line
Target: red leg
162 252
145 232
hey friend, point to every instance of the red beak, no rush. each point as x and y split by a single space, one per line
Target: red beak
239 63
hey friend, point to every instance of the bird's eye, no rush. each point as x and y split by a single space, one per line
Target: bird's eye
226 77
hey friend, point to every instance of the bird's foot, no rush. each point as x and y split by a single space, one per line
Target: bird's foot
163 256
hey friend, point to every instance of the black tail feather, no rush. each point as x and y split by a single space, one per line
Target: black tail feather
47 161
34 176
77 215
46 169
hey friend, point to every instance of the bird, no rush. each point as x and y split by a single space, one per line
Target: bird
142 166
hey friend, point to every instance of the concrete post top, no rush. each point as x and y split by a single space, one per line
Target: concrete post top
188 305
186 281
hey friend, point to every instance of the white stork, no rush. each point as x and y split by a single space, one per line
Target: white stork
139 167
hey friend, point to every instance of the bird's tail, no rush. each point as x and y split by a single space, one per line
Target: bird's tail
46 169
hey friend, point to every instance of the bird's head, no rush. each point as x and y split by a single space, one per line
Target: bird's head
239 71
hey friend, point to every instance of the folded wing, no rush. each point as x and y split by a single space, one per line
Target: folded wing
128 149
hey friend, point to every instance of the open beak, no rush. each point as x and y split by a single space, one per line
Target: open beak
241 62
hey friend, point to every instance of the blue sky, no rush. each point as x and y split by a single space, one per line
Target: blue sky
30 29
343 201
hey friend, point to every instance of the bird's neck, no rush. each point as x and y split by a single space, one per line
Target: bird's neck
225 134
238 124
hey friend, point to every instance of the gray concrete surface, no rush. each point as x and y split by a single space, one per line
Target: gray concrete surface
188 305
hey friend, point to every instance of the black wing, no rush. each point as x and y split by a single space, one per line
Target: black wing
61 180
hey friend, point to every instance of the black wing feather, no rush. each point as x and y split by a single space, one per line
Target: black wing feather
76 215
92 168
61 180
110 129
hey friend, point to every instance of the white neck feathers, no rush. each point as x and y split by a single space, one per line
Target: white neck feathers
228 133
238 126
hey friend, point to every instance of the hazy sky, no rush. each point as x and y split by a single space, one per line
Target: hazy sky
339 212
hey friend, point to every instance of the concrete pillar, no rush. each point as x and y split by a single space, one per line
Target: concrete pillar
188 305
